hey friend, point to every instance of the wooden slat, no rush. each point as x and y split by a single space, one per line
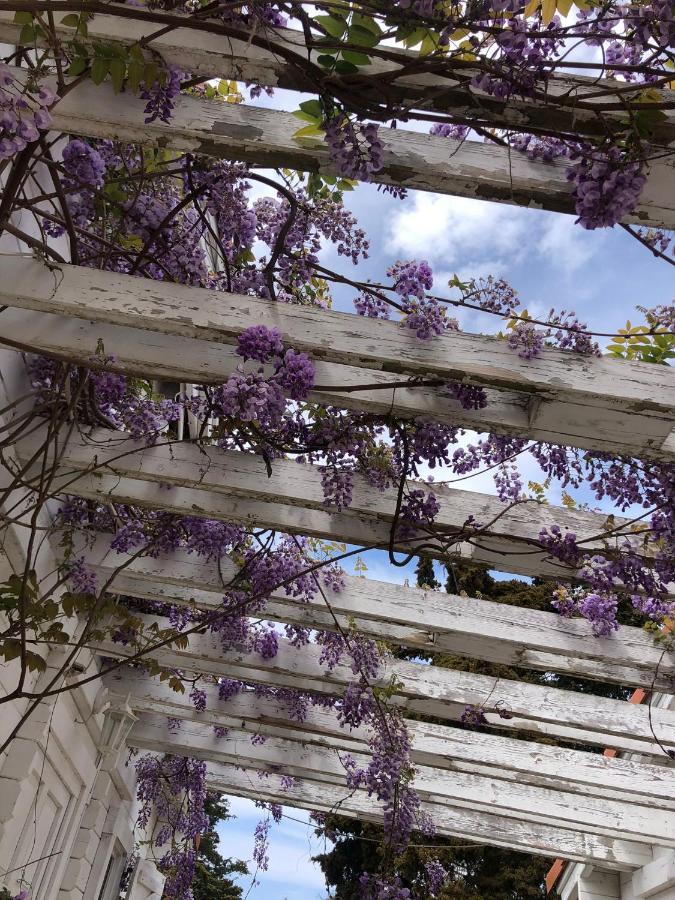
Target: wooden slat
430 620
411 159
207 54
451 821
614 428
115 299
447 747
435 691
186 501
232 485
524 803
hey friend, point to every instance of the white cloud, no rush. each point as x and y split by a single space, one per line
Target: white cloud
474 237
568 245
450 230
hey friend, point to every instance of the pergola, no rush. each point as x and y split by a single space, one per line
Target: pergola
612 814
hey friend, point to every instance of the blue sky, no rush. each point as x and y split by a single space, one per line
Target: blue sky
551 262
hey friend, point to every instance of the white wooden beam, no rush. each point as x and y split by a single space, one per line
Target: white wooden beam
451 821
412 160
231 485
588 815
615 427
344 338
431 620
655 878
209 54
366 533
435 691
446 747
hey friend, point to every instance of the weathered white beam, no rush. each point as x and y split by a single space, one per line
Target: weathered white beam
447 747
232 485
504 555
209 54
435 691
412 160
579 811
617 428
363 532
116 299
655 878
430 620
452 821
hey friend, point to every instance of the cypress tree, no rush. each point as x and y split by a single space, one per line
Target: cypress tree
212 877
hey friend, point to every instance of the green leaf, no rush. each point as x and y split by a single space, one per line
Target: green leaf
150 74
27 35
343 67
77 66
23 18
357 59
99 69
312 108
362 37
135 75
367 23
118 70
136 52
334 26
326 60
305 117
244 256
309 131
415 38
430 44
71 21
10 649
68 604
35 663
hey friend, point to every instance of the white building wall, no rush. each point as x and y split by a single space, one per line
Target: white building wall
66 824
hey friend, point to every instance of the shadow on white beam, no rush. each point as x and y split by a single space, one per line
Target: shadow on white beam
411 160
203 53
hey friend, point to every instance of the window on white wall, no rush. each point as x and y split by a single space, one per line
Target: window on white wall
110 889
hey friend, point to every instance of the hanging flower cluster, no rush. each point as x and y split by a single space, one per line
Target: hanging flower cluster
24 112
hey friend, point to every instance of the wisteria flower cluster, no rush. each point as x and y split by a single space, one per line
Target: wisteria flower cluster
24 112
173 790
356 149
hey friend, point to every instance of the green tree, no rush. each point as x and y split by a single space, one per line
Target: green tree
212 879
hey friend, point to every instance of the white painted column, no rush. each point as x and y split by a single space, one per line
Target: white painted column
598 885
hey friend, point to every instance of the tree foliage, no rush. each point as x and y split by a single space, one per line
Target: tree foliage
213 871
